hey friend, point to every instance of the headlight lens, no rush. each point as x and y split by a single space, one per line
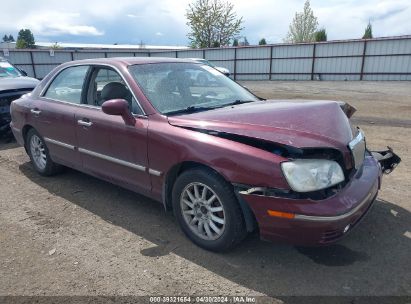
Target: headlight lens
305 175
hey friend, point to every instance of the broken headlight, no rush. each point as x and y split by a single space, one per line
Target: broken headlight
306 175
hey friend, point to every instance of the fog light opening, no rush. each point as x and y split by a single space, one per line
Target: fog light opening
346 228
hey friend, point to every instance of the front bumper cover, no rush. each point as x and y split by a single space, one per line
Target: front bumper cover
388 160
321 222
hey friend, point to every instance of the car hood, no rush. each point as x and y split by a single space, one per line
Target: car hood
13 83
299 123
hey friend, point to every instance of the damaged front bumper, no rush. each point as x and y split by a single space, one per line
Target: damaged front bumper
388 160
310 222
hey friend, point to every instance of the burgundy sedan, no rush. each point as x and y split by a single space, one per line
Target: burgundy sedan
225 161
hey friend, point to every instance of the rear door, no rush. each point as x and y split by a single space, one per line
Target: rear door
53 114
108 147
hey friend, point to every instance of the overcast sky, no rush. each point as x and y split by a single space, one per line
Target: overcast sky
162 22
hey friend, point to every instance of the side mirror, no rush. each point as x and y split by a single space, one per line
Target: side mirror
119 107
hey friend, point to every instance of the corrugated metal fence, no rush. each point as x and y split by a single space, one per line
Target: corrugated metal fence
373 59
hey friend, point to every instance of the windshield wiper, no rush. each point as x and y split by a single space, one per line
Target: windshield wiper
237 102
189 109
193 109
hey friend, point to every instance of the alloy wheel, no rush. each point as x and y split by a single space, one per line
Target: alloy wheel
38 152
203 211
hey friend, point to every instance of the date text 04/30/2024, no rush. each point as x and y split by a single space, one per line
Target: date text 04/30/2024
202 299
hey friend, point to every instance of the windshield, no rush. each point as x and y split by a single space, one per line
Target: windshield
7 70
173 88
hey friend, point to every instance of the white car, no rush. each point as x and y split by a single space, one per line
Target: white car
201 78
221 69
13 84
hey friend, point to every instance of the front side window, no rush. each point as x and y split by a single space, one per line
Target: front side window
68 85
179 87
106 84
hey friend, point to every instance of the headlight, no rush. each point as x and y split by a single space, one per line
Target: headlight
305 175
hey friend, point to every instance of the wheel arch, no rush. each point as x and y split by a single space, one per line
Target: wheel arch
24 132
172 175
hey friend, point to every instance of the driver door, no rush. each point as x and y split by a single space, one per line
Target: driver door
108 147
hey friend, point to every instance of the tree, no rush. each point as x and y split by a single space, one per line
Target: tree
235 42
25 39
244 42
262 42
368 31
55 46
320 35
216 44
212 21
8 38
303 26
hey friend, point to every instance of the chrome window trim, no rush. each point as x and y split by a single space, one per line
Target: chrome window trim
70 103
112 159
59 143
82 105
45 88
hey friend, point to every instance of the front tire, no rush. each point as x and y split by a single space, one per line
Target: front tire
207 210
39 154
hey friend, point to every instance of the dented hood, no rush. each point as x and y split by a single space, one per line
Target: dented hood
301 124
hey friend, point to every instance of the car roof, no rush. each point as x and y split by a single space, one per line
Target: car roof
132 60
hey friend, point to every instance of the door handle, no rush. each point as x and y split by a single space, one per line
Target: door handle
35 111
84 123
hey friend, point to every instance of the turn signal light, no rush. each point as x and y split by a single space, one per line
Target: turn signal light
281 214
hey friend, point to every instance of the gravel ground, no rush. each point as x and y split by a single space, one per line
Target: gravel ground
75 235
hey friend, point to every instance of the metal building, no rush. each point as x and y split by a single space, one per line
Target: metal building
363 59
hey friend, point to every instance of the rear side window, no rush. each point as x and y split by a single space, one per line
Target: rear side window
68 85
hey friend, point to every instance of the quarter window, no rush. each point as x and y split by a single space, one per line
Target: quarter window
68 85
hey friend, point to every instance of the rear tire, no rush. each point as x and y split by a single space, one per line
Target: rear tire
212 219
39 154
